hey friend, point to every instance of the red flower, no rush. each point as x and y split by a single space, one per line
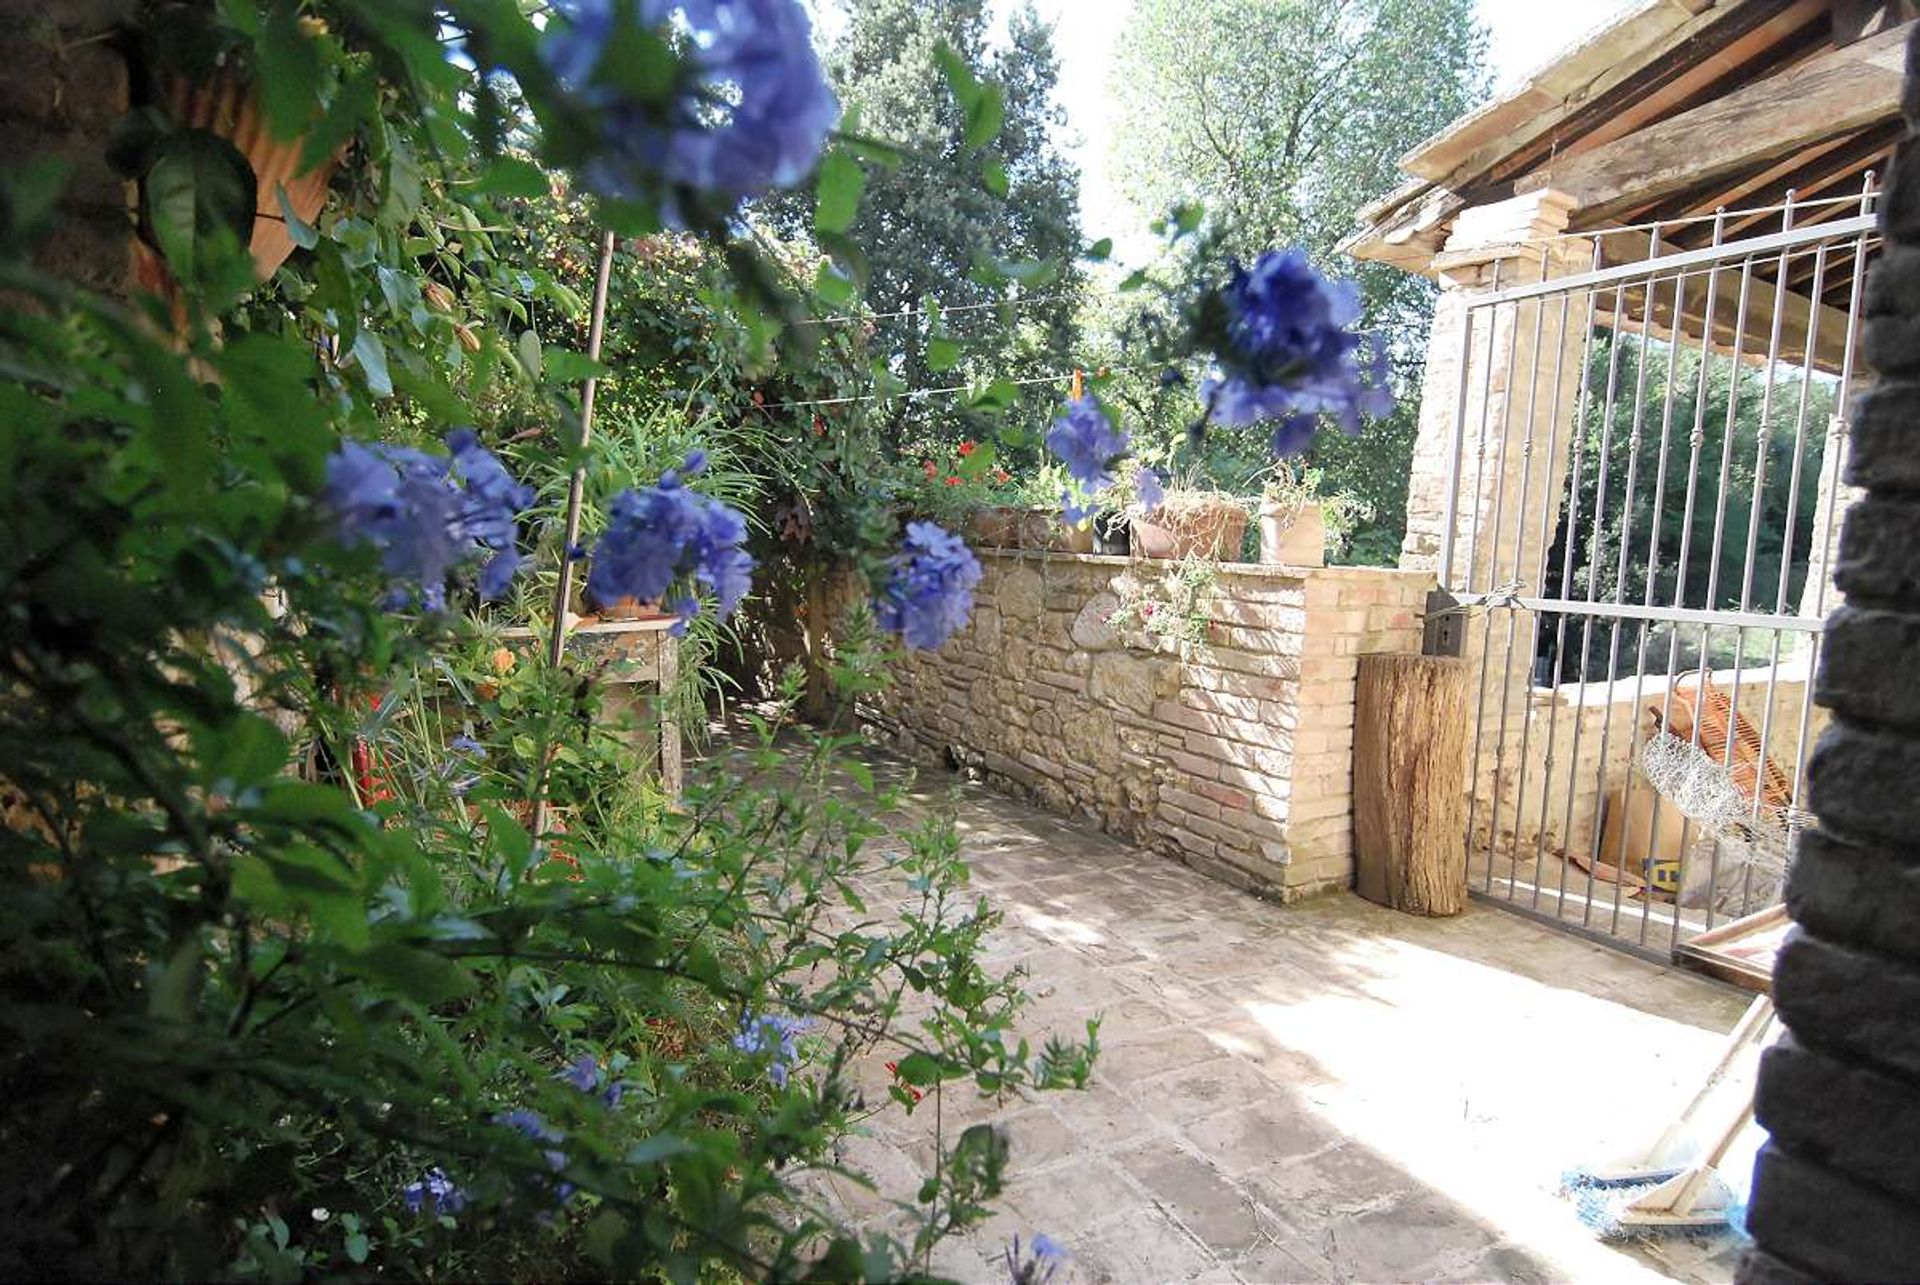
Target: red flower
953 481
1001 475
966 449
931 470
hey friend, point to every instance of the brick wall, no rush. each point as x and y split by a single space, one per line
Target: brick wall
1236 758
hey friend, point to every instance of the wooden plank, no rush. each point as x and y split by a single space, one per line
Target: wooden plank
1838 92
1409 783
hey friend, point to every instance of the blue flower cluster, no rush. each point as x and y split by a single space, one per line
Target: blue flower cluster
750 111
1287 350
435 1193
929 591
772 1036
1088 442
428 515
666 537
534 1126
1038 1264
587 1075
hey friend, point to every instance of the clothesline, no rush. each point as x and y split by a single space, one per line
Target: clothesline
954 388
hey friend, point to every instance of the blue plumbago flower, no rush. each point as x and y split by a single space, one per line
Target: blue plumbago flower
772 1036
587 1075
666 537
463 749
929 593
1285 346
1294 433
534 1126
428 515
435 1193
1087 441
1038 1264
749 111
1148 489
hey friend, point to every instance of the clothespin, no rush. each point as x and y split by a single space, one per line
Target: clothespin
1079 385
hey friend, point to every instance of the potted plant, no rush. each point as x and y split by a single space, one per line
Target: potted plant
1299 523
1192 523
1112 531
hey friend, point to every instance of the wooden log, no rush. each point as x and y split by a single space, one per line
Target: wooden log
1409 783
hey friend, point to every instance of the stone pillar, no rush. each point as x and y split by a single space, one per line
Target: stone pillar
1836 1192
1517 402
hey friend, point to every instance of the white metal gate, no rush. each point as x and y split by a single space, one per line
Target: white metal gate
1641 521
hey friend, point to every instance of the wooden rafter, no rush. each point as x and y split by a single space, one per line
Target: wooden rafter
1835 93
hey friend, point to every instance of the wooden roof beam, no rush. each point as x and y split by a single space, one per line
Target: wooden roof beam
1839 92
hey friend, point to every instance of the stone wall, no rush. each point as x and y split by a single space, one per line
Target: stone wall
1235 758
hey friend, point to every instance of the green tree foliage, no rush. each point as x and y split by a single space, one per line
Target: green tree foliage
929 229
1283 118
1622 501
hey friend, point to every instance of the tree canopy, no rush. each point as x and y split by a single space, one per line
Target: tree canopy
1282 118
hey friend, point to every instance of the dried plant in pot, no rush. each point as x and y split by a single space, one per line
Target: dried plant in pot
1192 524
1299 522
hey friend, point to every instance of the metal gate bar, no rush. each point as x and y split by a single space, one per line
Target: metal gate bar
1598 513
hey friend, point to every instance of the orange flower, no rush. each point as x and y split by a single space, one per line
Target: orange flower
966 449
501 660
1001 475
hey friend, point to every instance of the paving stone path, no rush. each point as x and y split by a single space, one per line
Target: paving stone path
1320 1092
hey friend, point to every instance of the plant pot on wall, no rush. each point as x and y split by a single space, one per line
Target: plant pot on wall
1192 527
996 527
1112 534
1068 538
1293 535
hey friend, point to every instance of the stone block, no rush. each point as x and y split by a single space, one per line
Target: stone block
1878 544
1021 594
1891 344
1239 754
1188 802
1835 1228
1090 630
1863 647
1842 1115
1864 895
1193 765
1185 841
1124 681
1882 453
1862 782
1835 997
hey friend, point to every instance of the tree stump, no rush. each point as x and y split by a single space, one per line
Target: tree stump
1410 782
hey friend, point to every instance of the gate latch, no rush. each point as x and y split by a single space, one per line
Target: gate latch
1445 630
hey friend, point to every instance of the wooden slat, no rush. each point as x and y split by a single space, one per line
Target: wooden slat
1839 92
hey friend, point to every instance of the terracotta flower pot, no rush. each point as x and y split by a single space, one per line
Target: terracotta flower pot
1195 529
1035 528
1294 537
1073 539
996 527
632 609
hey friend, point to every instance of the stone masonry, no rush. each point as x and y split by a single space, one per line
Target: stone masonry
1236 758
1836 1192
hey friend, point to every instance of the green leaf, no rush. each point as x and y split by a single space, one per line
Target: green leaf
511 176
840 185
289 78
199 195
527 347
942 354
993 175
244 752
418 974
371 355
919 1069
355 103
400 198
1136 282
1000 395
299 231
986 115
833 287
564 366
1100 251
1188 216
